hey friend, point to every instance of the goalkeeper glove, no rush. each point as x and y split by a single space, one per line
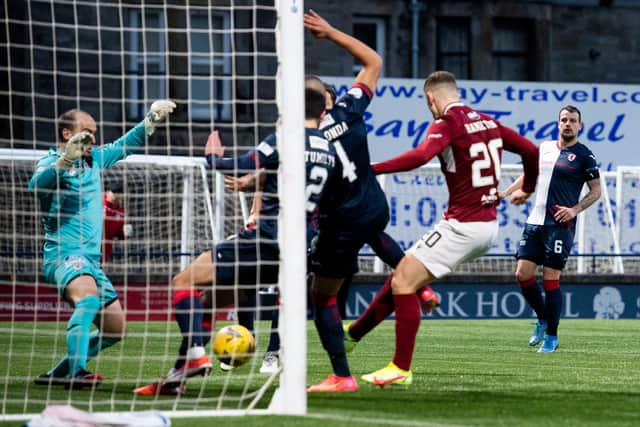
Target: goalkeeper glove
157 113
75 148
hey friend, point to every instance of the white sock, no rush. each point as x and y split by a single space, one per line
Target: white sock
195 352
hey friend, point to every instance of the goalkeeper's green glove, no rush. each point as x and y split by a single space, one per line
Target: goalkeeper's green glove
75 148
159 111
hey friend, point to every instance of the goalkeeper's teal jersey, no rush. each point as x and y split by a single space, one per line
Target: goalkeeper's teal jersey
71 199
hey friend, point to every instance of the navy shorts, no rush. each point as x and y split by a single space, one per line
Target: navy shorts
547 245
246 260
335 250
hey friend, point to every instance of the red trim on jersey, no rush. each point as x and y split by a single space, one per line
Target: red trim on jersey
181 294
364 88
550 285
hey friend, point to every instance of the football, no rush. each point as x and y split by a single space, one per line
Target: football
234 345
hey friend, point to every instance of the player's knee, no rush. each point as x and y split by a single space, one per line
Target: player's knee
522 276
180 281
400 285
116 329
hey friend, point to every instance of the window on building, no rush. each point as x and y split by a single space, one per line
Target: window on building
146 60
372 31
210 66
512 49
454 46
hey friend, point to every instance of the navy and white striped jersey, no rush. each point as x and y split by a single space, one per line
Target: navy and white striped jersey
563 173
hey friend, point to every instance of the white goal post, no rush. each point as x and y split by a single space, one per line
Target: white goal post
233 66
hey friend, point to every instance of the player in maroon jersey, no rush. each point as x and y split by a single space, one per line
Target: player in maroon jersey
469 146
114 224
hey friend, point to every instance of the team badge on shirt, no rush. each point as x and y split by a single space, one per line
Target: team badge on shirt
571 157
74 261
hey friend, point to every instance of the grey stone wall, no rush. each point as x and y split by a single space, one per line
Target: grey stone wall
574 41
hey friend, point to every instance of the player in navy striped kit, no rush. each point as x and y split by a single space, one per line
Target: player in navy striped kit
565 166
356 211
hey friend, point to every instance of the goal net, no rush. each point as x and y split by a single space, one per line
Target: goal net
222 63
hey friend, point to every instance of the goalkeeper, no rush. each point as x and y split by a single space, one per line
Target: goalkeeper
68 185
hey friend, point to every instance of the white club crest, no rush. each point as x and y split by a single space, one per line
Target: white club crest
608 303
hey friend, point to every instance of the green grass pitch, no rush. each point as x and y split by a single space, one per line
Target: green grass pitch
466 373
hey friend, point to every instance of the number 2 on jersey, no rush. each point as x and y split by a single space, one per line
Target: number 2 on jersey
320 176
489 156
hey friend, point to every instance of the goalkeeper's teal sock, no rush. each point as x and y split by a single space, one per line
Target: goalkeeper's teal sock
78 332
96 344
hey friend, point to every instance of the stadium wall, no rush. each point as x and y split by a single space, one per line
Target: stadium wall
498 297
463 297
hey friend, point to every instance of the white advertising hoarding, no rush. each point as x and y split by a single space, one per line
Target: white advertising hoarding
398 117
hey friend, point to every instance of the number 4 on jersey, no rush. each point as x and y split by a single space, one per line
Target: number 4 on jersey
348 167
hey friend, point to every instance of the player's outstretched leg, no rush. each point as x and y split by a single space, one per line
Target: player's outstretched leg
376 312
407 308
189 316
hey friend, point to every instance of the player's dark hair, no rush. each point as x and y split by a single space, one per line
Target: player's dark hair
67 120
571 109
331 91
115 186
438 78
314 82
314 104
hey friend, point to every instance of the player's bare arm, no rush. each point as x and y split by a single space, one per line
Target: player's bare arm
516 143
214 145
513 187
248 182
518 196
256 207
565 213
371 61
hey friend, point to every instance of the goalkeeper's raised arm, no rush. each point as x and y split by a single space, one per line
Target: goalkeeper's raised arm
68 183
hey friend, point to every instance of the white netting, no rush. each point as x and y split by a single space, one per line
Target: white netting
626 195
218 60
